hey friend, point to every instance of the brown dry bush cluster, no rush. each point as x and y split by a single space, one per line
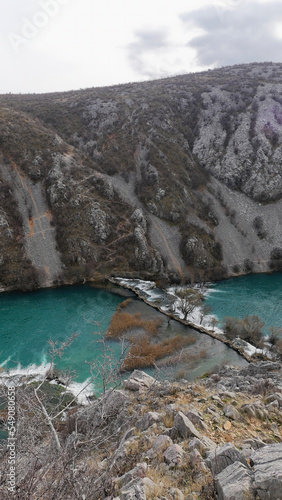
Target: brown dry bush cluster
122 323
143 353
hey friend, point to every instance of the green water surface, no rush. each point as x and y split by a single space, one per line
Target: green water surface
256 294
29 320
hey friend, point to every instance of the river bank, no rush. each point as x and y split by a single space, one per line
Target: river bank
140 288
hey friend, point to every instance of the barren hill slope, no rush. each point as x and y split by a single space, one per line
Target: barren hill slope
178 178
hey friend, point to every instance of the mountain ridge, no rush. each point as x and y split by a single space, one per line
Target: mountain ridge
176 179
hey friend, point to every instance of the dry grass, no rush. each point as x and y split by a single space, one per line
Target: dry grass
168 420
124 304
185 478
143 353
122 323
163 478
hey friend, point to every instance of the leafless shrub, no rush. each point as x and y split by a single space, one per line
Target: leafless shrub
264 387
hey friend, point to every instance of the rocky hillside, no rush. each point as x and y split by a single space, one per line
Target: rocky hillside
218 437
176 179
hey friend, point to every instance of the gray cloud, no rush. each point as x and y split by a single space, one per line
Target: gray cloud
238 35
147 41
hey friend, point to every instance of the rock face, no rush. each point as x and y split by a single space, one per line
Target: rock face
177 179
185 426
39 234
139 380
239 481
267 465
238 136
235 482
174 455
220 458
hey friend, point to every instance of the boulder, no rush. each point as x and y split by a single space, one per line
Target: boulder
113 402
267 466
176 494
197 463
139 489
138 472
162 443
221 457
235 483
275 397
174 455
185 427
139 380
231 412
196 419
134 490
147 420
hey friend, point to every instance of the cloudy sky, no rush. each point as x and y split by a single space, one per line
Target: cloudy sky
54 45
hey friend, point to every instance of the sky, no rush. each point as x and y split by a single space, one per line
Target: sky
57 45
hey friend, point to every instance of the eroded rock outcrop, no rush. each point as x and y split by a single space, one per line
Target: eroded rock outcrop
177 179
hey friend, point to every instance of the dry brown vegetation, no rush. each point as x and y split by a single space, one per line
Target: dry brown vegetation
124 304
122 323
144 353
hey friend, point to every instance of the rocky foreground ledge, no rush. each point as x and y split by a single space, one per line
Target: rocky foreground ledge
215 438
218 437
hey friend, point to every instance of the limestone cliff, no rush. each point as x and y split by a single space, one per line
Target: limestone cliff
177 179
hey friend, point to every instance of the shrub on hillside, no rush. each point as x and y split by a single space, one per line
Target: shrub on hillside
248 329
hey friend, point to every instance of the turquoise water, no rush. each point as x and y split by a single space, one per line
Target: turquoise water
256 294
28 321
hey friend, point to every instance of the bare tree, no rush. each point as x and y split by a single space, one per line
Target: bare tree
206 309
275 334
214 322
189 300
55 434
248 328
